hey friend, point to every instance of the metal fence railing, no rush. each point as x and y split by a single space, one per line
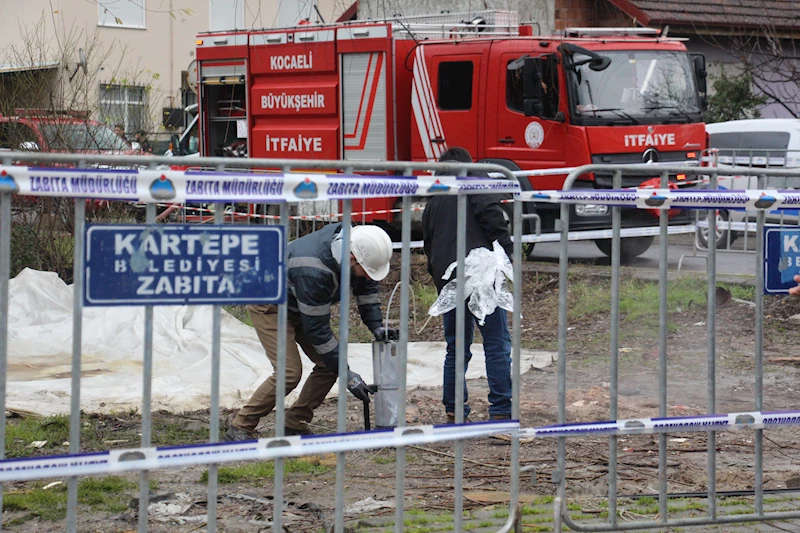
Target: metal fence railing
20 179
732 225
759 200
81 177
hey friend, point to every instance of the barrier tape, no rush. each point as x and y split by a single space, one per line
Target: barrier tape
134 459
671 198
148 185
680 424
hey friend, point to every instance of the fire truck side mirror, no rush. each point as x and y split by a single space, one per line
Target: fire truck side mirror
699 62
175 145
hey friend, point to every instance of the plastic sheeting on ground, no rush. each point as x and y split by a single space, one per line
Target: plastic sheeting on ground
40 354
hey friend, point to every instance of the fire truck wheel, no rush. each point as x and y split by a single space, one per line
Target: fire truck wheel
629 248
723 216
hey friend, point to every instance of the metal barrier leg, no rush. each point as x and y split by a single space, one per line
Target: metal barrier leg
344 337
77 331
461 313
759 356
147 388
663 219
402 354
280 388
711 377
616 223
560 473
216 328
5 273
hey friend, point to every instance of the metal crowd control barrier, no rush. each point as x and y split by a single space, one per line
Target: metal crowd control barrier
759 200
731 225
57 182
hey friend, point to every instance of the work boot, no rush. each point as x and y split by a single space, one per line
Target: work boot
235 434
451 418
291 432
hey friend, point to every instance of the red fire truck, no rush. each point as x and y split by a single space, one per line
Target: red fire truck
409 89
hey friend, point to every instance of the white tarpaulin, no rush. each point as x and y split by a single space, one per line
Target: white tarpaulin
40 354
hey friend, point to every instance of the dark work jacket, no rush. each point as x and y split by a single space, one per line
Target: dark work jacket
314 276
485 224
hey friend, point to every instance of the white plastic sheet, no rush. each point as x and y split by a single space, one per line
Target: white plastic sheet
40 353
486 273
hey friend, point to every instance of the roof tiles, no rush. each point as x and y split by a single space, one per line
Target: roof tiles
778 14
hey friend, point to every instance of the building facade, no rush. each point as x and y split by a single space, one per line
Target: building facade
130 59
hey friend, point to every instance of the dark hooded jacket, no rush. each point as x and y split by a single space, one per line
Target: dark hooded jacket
313 277
485 224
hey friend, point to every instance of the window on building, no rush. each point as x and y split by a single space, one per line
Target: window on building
121 13
455 85
126 105
225 15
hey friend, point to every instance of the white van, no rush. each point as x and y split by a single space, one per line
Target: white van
757 143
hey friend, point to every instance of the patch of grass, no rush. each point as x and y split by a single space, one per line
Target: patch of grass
741 511
20 433
383 459
529 510
253 472
502 513
729 502
573 507
543 500
646 500
486 523
167 433
240 313
424 293
588 297
741 292
537 529
109 494
105 493
652 509
415 511
687 506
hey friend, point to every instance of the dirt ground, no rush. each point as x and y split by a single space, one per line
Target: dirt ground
247 506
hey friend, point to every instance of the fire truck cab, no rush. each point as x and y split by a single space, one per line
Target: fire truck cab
409 89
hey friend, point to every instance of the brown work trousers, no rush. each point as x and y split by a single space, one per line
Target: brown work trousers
321 380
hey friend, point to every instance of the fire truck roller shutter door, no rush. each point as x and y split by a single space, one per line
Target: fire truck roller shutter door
364 115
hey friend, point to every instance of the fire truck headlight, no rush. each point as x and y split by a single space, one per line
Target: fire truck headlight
591 210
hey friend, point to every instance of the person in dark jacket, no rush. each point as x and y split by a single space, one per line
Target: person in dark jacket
485 224
313 273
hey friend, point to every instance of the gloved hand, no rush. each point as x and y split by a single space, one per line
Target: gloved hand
357 386
386 334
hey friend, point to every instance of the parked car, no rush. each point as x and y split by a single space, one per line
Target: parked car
757 143
32 130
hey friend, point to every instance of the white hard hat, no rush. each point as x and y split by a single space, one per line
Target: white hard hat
372 248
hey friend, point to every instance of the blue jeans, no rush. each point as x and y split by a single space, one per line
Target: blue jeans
497 348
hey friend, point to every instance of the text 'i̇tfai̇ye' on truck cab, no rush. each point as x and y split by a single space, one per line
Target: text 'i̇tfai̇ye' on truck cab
407 89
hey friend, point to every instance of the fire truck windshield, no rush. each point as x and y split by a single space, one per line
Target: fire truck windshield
639 86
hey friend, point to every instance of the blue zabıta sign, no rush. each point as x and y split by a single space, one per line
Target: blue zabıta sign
781 259
182 264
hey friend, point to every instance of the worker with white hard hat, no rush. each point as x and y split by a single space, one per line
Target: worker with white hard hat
313 272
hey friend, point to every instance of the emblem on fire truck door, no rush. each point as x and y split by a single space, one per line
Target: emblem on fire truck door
534 135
